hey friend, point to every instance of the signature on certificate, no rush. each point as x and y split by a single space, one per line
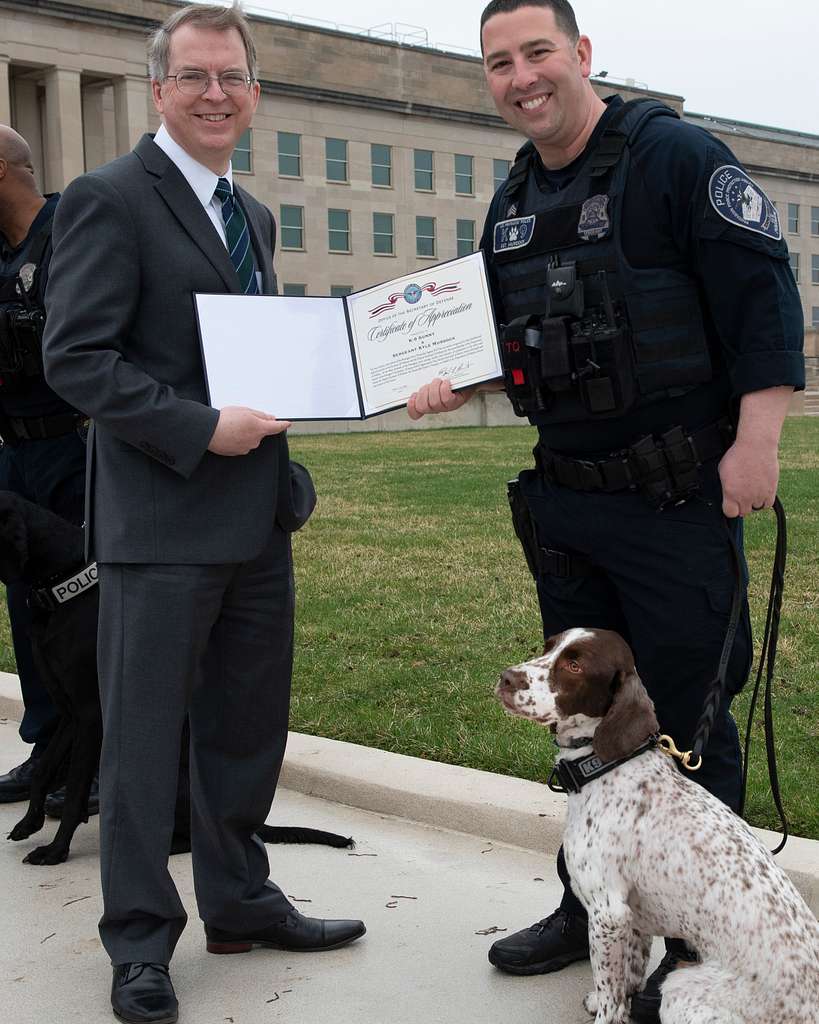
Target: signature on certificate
448 372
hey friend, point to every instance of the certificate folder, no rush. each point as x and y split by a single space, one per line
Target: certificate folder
320 358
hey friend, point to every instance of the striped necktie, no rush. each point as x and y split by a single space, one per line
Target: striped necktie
238 238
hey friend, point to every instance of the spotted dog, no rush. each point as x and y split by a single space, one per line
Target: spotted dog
652 853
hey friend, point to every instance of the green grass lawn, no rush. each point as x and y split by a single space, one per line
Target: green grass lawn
412 594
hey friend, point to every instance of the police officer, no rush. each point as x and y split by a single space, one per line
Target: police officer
653 334
43 454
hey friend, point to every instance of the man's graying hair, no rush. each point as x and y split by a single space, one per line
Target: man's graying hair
561 9
202 16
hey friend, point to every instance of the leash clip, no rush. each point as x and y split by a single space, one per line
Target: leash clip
669 747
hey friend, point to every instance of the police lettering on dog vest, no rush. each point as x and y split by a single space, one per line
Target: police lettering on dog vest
76 584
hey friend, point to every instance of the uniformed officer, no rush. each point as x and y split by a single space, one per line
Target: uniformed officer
43 455
653 334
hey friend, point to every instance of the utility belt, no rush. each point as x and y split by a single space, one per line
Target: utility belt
15 429
665 469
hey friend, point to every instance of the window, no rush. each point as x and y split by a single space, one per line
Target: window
425 236
463 175
814 220
335 151
242 158
500 171
465 236
381 165
289 155
814 269
383 234
424 171
793 218
795 265
338 230
294 289
291 219
815 316
338 291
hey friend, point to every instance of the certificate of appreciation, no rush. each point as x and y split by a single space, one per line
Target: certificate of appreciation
353 357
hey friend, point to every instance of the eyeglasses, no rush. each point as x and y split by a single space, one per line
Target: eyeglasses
195 83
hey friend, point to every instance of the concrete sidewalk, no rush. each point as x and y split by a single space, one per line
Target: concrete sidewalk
425 891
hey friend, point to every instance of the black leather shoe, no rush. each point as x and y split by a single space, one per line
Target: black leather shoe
55 802
295 932
16 784
143 994
645 1005
550 944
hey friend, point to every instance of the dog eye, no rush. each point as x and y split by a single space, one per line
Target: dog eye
574 666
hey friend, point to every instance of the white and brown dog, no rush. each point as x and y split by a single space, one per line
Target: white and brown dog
652 853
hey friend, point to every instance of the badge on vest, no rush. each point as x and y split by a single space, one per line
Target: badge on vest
740 201
594 222
514 234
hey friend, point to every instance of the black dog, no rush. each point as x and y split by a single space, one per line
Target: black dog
46 552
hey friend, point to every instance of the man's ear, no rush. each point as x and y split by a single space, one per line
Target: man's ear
629 721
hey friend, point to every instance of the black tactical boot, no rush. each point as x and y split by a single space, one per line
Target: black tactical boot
645 1005
16 784
550 944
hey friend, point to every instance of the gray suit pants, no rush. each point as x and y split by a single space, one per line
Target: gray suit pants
214 641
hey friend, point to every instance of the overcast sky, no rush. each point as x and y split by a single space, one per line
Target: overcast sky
751 61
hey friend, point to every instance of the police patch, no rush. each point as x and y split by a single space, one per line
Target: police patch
594 222
514 234
740 201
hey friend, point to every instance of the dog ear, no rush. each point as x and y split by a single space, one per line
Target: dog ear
13 543
629 721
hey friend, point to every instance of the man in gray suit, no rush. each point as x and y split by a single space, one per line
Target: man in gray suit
196 593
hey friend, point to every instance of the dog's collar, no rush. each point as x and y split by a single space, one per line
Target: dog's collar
575 744
61 589
570 776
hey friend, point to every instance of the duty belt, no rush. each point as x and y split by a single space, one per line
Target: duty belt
38 428
663 468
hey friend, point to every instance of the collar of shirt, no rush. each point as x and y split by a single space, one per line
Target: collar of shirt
200 178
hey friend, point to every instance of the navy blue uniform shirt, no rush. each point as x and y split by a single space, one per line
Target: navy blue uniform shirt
38 399
753 314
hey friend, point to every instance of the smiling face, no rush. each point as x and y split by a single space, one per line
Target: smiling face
538 78
207 127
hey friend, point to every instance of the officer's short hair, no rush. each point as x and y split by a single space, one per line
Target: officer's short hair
562 10
203 16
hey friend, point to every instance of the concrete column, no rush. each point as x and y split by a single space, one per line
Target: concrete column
5 91
64 156
93 119
130 110
27 121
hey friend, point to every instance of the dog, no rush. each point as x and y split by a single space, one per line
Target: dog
650 852
46 552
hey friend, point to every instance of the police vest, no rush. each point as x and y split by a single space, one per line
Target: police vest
22 317
587 334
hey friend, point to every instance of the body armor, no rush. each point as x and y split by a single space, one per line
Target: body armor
22 319
587 334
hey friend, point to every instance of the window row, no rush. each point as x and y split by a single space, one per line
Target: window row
793 219
814 267
337 165
291 231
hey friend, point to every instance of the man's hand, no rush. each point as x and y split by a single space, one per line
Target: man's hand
240 430
437 396
749 470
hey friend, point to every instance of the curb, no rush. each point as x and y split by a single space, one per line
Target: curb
495 807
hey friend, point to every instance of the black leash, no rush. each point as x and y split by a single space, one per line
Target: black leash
767 660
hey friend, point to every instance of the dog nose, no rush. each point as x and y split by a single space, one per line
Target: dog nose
513 679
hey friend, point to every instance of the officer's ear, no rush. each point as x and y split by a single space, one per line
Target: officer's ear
4 166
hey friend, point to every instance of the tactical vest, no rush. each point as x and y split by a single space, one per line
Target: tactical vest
588 335
22 317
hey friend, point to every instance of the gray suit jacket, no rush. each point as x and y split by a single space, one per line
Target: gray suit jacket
131 246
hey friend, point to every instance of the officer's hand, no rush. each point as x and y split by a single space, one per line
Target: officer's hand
437 396
240 430
749 476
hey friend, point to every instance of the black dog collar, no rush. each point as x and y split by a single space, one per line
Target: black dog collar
54 594
571 776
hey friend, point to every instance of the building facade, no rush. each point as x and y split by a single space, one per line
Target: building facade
377 158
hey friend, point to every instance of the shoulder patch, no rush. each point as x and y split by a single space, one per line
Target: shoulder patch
513 234
740 201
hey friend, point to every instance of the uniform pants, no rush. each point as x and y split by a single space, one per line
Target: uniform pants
665 581
51 473
214 641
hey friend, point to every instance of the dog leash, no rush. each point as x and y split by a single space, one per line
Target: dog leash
767 660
